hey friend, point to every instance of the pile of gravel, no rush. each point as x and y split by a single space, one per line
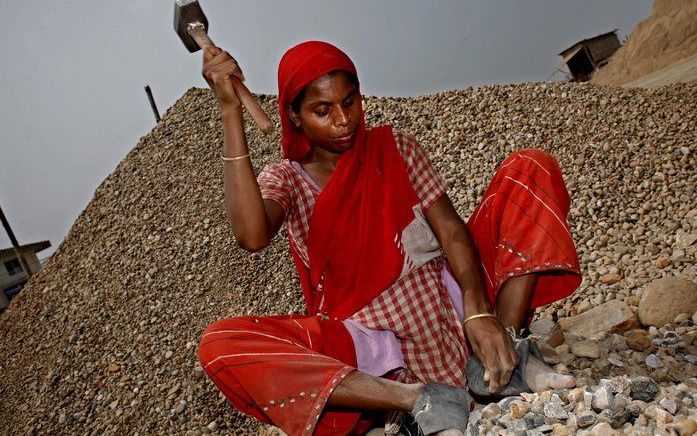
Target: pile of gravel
641 382
104 338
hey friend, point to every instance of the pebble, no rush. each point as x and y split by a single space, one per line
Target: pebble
610 317
643 388
615 361
491 410
518 409
586 349
685 427
653 361
610 279
636 407
603 399
575 395
561 430
669 405
586 419
151 262
602 429
563 349
660 415
180 407
661 263
556 411
549 354
681 319
638 340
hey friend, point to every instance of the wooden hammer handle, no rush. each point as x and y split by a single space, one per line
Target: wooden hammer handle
250 103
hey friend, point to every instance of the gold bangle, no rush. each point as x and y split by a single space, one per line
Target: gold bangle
479 315
230 159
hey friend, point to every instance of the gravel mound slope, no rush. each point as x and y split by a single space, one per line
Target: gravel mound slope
104 338
666 37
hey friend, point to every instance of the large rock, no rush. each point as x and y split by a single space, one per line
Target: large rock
548 331
666 298
612 317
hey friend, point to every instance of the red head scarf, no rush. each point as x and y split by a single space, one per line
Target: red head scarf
355 230
299 66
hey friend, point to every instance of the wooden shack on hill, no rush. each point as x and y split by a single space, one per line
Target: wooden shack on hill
585 57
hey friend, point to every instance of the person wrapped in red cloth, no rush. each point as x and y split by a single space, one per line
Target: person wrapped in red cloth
397 287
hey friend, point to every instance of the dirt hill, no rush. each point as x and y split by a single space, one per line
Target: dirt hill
666 37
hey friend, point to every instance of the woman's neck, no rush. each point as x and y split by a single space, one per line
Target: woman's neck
322 158
320 164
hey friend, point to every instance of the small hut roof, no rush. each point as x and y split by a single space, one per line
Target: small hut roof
586 40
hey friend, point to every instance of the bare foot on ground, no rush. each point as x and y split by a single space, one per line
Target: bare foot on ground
540 377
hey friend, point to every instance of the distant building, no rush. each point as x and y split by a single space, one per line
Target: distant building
585 57
12 276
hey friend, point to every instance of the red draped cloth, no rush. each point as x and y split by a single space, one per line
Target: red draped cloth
281 370
520 227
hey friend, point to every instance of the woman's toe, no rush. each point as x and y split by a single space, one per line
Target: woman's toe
450 432
563 381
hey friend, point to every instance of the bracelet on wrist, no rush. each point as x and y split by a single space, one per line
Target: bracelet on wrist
231 159
479 315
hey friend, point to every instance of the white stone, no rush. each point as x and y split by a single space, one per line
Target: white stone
603 399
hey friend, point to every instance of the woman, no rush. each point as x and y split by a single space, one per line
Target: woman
388 317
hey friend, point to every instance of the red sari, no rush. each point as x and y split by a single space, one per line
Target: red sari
282 369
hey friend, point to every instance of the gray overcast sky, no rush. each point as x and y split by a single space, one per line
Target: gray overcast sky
72 102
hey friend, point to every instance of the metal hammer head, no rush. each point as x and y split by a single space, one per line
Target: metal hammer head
187 12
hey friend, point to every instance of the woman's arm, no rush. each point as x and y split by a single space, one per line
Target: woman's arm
490 341
254 220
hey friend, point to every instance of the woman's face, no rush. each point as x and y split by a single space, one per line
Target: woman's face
329 112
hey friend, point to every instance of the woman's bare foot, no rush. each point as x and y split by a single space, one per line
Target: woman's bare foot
451 432
540 377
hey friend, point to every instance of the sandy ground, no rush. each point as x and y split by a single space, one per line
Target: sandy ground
659 45
683 71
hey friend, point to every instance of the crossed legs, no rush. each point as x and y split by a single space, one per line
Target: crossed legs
366 392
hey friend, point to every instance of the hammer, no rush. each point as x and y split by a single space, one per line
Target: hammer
191 25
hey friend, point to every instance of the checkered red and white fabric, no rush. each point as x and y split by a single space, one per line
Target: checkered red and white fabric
417 307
